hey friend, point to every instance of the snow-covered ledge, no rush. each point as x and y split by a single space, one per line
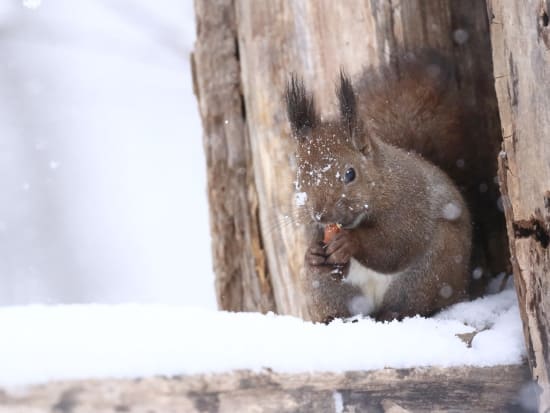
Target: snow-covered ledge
142 358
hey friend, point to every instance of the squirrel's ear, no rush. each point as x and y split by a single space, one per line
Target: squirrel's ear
348 113
300 106
348 103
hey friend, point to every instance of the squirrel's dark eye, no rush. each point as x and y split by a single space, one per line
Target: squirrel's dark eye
349 175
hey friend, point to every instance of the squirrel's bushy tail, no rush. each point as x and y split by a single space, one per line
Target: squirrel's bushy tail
414 106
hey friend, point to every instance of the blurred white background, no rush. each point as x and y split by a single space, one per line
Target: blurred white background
102 172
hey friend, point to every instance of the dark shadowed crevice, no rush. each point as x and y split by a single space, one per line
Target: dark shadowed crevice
532 228
544 19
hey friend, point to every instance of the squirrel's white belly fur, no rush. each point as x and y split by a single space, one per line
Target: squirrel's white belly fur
373 285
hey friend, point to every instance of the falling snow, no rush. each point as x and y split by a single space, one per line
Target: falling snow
477 273
446 291
300 198
32 4
451 211
360 304
460 36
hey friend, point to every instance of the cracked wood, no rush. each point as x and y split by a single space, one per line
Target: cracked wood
242 279
521 56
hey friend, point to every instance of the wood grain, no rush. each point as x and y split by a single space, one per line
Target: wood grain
521 54
242 282
389 390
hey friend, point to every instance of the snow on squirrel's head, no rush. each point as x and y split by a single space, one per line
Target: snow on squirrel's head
335 158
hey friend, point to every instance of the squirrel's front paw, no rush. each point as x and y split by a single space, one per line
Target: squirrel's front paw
341 248
316 261
316 255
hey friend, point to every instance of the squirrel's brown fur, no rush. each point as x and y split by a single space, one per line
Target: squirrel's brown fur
404 247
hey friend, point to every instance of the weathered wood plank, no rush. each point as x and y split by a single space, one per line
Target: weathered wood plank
389 390
242 282
521 54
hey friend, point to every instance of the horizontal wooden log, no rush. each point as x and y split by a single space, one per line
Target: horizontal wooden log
389 390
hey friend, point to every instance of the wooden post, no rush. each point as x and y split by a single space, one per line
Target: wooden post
520 36
242 282
244 53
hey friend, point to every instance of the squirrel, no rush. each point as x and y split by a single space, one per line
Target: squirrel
404 232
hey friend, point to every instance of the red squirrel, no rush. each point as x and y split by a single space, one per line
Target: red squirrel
404 238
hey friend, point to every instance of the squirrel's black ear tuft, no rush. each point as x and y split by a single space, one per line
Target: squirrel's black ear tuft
346 98
300 106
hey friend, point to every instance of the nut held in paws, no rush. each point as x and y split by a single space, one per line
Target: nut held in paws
330 232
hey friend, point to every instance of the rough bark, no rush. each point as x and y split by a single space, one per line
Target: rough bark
250 159
521 55
477 389
242 282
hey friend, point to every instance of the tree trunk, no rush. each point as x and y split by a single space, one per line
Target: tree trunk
242 282
245 51
521 54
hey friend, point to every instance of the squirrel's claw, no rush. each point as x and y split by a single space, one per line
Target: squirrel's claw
340 250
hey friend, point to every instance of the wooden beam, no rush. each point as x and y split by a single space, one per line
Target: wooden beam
389 390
